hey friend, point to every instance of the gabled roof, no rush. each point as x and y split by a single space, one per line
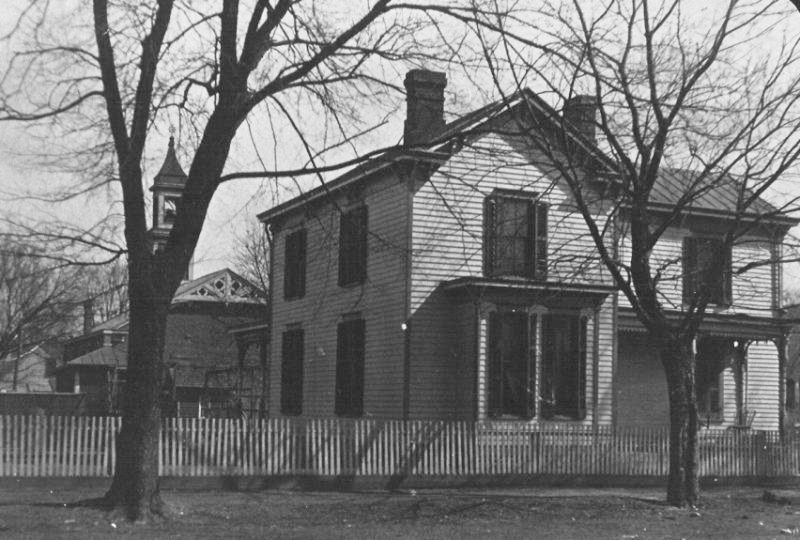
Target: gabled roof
714 194
104 356
718 199
117 323
221 286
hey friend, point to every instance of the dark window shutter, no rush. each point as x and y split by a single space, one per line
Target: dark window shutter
727 277
495 367
532 363
350 352
689 268
353 246
361 259
541 241
582 354
357 387
489 235
292 372
531 249
294 268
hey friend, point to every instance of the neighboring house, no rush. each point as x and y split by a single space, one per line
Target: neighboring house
791 399
455 279
215 346
33 370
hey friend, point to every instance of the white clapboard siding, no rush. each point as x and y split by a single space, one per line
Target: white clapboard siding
380 300
762 389
447 242
752 290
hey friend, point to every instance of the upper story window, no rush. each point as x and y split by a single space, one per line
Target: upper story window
698 257
353 246
294 269
515 235
170 209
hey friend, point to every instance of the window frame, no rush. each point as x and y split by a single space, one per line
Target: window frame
496 387
693 276
552 368
351 338
292 360
535 237
294 267
353 228
171 216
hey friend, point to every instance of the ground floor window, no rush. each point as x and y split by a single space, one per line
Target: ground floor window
713 356
563 386
513 368
512 364
350 368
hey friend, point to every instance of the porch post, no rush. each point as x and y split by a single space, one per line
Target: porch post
781 343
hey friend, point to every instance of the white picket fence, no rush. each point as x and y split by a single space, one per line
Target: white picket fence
85 446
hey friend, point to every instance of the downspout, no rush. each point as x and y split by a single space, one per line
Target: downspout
782 343
409 266
595 367
266 360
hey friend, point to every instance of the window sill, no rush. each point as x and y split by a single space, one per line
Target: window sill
352 284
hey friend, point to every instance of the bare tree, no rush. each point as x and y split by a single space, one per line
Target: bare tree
673 99
103 80
251 255
36 299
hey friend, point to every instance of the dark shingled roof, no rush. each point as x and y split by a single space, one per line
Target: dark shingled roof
718 194
104 356
711 194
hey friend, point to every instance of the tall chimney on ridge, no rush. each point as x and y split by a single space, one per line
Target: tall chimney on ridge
581 112
425 105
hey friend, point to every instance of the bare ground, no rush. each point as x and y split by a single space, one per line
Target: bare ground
509 513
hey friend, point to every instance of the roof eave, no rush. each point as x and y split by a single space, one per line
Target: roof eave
364 170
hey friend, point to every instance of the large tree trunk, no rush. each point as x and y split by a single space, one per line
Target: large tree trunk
135 485
683 487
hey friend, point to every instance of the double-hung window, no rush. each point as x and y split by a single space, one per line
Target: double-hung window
563 384
512 364
515 235
699 254
513 368
294 268
353 246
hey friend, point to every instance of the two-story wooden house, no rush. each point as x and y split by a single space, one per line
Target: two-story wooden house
454 278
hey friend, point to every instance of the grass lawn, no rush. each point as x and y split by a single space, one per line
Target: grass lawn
507 513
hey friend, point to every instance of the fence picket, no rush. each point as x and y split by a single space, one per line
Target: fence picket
85 446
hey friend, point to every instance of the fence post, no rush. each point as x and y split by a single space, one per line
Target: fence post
762 454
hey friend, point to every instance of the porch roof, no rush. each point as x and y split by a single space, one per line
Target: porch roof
556 294
738 325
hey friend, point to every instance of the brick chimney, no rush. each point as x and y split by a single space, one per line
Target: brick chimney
88 315
581 112
425 105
